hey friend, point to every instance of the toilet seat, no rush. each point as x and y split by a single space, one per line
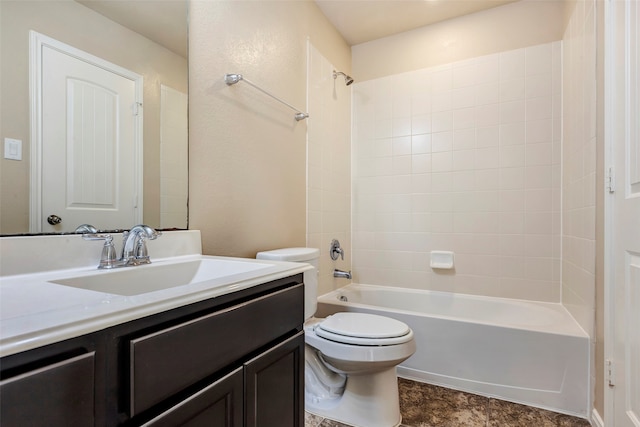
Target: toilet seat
363 329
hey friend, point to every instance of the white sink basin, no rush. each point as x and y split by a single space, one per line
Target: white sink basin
154 277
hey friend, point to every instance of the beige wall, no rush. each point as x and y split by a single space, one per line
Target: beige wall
247 160
80 27
521 24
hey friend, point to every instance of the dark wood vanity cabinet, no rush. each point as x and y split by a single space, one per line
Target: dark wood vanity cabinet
266 391
58 394
217 405
235 361
274 385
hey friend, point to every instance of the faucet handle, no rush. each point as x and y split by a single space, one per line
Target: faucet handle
108 258
141 254
336 250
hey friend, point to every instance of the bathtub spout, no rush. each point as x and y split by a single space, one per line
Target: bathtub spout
342 274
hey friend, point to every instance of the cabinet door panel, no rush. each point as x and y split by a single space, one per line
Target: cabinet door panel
60 394
166 362
274 386
218 405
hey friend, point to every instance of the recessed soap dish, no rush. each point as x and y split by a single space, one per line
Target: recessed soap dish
442 260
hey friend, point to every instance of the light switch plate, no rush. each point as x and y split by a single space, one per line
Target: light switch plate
12 149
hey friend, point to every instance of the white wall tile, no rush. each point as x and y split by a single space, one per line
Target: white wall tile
487 69
464 118
329 160
401 126
578 168
538 59
512 112
538 85
476 173
464 139
488 93
512 90
441 121
487 115
421 124
420 104
464 160
487 136
539 131
441 142
421 143
512 156
487 158
421 163
512 64
513 133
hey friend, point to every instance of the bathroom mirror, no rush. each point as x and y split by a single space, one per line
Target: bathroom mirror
147 37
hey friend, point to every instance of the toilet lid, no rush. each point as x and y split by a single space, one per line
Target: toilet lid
363 329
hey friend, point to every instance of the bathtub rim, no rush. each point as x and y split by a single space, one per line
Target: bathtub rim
570 327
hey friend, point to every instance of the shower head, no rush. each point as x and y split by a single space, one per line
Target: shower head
347 79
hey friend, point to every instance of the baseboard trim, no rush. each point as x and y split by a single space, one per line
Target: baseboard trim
596 419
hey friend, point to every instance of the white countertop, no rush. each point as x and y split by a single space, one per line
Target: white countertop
35 312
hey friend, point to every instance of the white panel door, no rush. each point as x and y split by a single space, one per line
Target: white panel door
90 142
625 211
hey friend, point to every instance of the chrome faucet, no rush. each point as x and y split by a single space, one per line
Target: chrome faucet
342 274
134 247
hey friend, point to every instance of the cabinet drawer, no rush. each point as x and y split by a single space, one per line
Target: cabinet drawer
167 361
60 394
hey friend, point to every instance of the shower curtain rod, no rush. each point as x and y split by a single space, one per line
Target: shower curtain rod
231 79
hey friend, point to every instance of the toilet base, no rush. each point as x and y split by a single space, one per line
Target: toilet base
369 400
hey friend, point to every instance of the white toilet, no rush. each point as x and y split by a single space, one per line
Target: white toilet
350 358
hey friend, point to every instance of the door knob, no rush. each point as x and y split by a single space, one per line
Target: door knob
54 219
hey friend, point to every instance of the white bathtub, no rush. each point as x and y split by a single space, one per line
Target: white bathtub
526 352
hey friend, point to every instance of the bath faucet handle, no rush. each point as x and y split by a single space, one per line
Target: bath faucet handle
336 250
108 258
142 254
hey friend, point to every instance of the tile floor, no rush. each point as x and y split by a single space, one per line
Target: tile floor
425 405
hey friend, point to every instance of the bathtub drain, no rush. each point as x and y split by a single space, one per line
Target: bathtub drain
343 298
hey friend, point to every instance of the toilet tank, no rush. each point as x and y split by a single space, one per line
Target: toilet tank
308 255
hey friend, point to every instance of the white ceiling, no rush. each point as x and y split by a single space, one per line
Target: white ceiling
361 21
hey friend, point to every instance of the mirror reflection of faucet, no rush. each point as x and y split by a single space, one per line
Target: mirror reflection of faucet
134 247
86 228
